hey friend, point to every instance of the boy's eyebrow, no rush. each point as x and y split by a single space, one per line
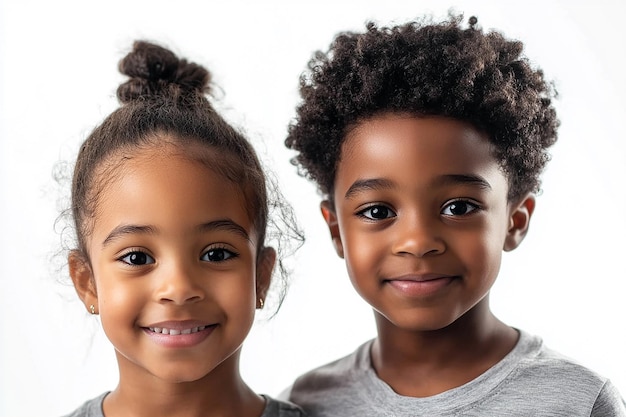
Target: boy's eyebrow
381 183
227 225
477 180
372 184
127 229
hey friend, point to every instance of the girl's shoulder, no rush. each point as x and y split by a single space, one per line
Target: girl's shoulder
90 408
273 408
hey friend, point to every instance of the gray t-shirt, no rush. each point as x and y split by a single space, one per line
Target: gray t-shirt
273 408
530 381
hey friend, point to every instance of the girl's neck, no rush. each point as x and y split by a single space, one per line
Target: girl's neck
425 363
220 393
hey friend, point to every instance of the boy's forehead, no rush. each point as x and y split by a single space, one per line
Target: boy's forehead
395 145
441 136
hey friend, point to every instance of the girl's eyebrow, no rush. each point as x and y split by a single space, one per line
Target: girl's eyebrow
227 225
222 224
127 229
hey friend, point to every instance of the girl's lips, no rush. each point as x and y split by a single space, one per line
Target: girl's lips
175 332
420 285
178 334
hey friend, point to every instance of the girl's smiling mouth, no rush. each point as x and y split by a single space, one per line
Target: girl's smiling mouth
175 332
178 334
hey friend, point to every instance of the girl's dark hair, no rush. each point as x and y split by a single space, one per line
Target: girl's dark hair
165 100
426 69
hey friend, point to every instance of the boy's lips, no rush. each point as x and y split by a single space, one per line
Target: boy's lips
420 277
420 285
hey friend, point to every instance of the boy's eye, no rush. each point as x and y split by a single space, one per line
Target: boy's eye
458 208
217 255
137 258
377 212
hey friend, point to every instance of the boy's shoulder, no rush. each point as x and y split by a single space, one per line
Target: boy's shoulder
531 378
530 358
338 373
281 408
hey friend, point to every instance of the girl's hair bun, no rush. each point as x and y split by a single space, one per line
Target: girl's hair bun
155 71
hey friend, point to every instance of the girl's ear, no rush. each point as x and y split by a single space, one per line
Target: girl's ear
82 277
265 266
519 222
331 220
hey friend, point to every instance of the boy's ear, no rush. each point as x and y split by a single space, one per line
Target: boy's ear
331 220
265 266
519 221
82 277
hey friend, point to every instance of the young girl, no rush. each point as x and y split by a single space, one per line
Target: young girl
170 208
427 141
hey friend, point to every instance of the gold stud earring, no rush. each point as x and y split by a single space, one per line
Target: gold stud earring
92 309
261 303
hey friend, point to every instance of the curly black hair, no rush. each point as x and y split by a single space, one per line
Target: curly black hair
426 69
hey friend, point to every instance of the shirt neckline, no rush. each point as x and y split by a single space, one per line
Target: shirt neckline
459 397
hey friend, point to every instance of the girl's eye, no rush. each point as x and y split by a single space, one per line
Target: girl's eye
217 255
377 213
458 208
137 258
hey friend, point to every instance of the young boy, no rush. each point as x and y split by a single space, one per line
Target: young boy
427 141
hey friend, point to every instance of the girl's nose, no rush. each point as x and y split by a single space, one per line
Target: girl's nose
179 285
418 236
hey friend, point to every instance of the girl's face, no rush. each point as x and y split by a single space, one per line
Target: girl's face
421 217
174 262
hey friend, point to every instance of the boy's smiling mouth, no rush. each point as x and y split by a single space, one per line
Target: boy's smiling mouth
420 285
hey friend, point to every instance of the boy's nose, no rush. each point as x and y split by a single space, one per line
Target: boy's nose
418 237
179 286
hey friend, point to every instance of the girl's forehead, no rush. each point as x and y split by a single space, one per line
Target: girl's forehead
195 167
169 191
208 171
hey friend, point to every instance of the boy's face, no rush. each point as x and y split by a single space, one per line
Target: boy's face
421 217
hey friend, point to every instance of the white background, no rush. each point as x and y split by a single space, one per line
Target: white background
58 72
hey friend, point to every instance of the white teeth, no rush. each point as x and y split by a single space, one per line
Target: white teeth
174 332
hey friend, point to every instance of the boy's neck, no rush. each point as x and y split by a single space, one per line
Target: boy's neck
426 363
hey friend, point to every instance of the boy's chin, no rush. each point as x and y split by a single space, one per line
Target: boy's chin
417 322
